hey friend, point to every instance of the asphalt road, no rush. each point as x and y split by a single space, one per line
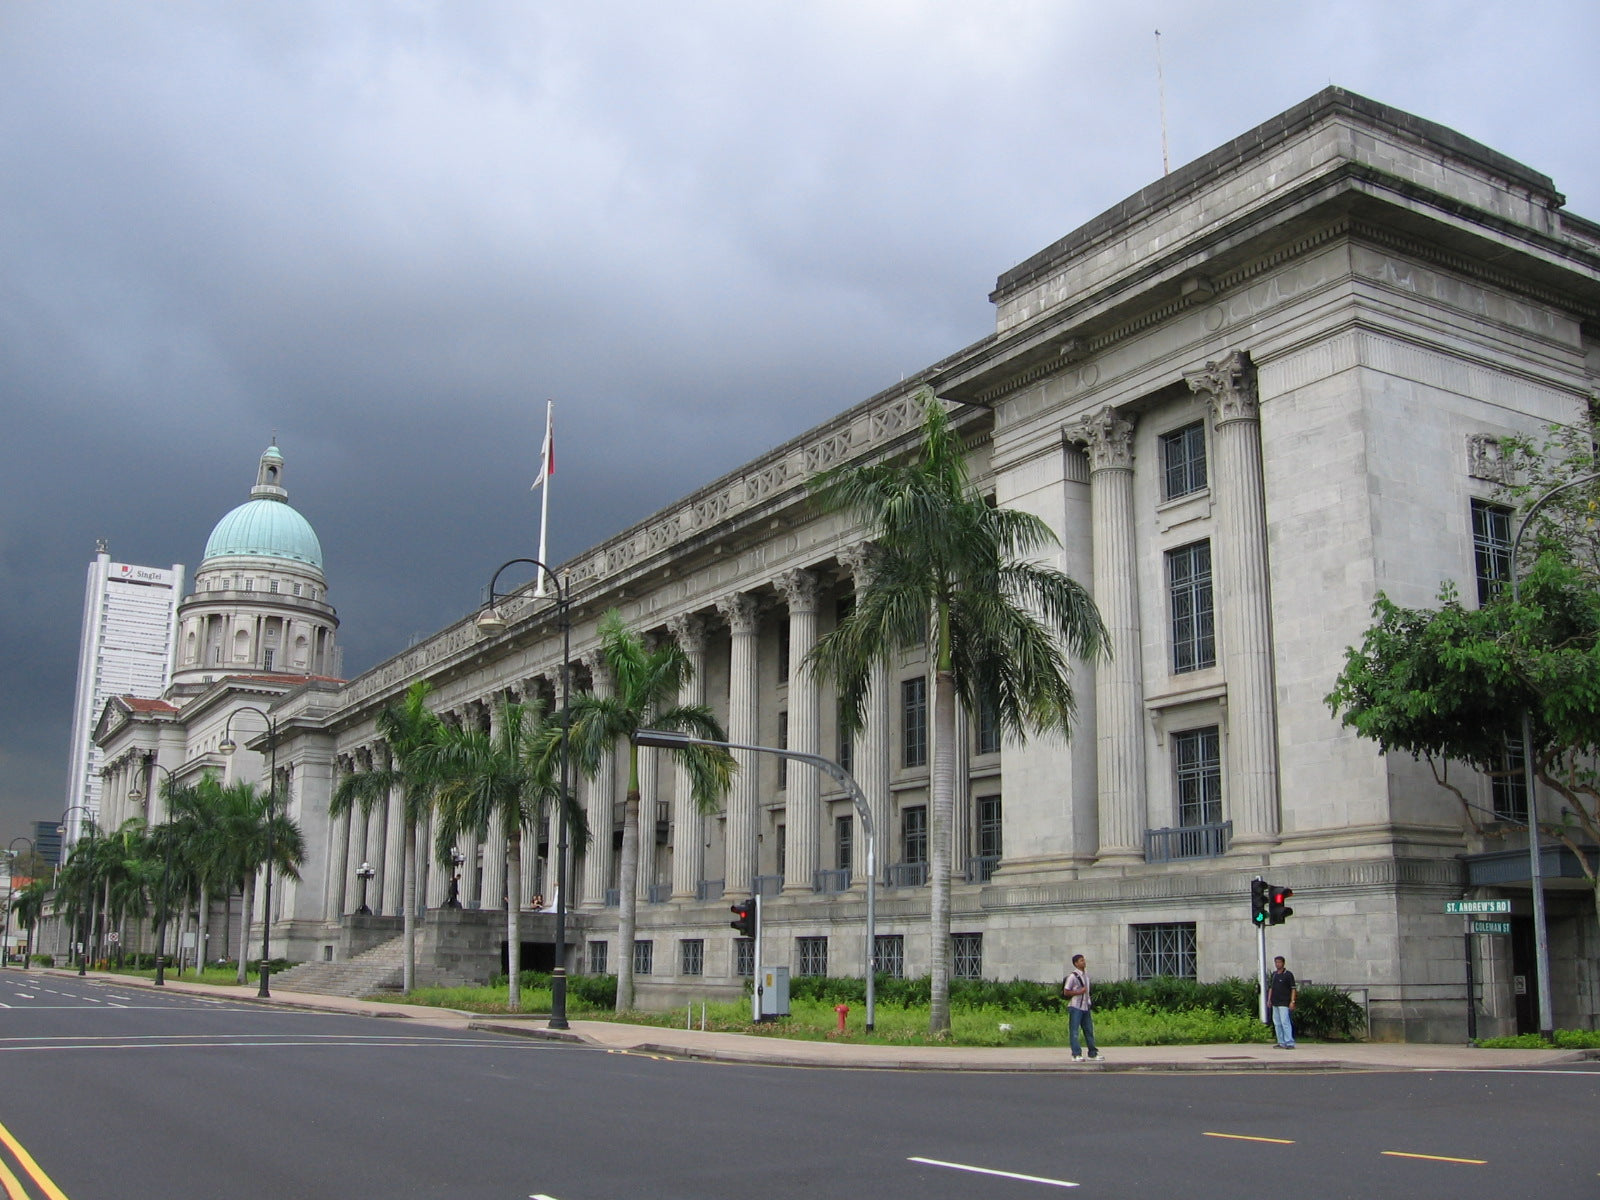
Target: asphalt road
121 1094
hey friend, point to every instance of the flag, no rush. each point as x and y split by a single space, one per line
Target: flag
547 452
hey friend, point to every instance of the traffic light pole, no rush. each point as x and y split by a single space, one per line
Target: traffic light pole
1261 944
755 949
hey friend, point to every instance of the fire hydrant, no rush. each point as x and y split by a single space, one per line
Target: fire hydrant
844 1011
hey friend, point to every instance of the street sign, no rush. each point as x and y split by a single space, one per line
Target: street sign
1477 906
1491 927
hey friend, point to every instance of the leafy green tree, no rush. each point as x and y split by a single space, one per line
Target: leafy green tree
953 578
1451 684
413 733
28 905
646 686
497 780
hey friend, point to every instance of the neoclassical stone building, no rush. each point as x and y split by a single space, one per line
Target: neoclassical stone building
1247 398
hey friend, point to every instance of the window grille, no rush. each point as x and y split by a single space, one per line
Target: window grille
988 729
914 834
966 955
1491 547
989 827
1509 786
1194 640
813 955
1197 766
1164 950
914 721
889 955
847 748
597 958
644 953
691 956
1183 461
744 957
844 835
783 744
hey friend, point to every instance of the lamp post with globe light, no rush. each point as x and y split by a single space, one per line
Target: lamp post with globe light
490 622
137 794
11 891
228 746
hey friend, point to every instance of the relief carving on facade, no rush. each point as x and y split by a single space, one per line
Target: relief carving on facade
1485 459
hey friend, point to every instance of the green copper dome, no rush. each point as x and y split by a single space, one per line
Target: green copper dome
265 529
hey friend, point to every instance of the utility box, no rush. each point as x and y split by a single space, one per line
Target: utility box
774 990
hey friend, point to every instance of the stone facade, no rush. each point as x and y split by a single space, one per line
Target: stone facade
1246 399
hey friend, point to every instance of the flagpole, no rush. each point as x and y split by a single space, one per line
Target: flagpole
545 451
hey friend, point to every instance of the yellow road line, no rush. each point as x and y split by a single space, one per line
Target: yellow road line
14 1188
1242 1137
32 1168
1474 1162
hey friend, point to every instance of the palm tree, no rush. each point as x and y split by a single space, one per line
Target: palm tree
28 904
195 815
499 780
251 824
646 688
413 733
951 577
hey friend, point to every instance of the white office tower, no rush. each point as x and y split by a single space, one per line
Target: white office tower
130 622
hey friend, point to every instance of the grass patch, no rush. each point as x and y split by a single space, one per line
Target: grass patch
212 976
1565 1039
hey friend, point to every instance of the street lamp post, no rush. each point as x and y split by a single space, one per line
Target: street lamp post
672 739
491 622
1541 934
83 946
364 873
136 794
11 891
228 746
453 899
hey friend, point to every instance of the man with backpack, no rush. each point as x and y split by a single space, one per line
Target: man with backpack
1075 987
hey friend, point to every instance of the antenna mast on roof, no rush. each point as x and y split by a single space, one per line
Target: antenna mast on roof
1161 92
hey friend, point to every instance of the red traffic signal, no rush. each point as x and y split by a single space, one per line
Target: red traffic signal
745 910
1278 910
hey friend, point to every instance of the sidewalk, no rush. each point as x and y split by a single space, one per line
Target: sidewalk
776 1051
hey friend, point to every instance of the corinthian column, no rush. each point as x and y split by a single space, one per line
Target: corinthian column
804 783
1118 677
1245 619
739 869
872 770
600 794
688 826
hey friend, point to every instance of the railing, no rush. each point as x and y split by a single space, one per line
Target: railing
767 885
660 893
708 889
1187 841
913 874
831 882
980 867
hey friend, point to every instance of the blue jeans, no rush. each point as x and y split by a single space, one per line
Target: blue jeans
1081 1018
1283 1024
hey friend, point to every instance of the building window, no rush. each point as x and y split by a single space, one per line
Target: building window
691 956
644 954
1183 461
783 653
744 957
297 589
273 587
266 660
989 825
847 744
914 834
966 955
1509 785
1194 639
1197 769
813 955
914 721
1491 547
844 833
889 955
597 958
249 585
988 728
783 744
1164 950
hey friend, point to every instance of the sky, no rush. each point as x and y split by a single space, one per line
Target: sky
385 233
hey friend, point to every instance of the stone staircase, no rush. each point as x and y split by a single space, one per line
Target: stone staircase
380 969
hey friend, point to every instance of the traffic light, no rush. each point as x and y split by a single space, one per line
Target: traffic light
1258 901
1278 910
745 910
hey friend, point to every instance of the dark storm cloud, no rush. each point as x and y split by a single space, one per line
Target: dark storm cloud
387 232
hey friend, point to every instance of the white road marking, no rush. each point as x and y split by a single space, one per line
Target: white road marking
25 996
934 1162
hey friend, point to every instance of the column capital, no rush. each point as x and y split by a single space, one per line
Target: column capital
740 611
1108 436
799 589
1229 384
859 560
689 630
